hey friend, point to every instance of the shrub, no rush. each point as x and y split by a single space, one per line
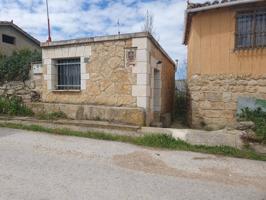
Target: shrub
181 107
14 106
17 66
259 118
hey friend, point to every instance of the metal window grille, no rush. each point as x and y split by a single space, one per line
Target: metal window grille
251 29
8 39
68 74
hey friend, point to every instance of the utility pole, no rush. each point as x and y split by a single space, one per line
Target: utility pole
49 29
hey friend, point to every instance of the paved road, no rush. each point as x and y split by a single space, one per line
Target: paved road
40 166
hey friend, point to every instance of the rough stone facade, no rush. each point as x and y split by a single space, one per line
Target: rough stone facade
109 82
109 77
28 91
213 98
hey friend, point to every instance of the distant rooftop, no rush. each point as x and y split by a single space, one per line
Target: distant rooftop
7 23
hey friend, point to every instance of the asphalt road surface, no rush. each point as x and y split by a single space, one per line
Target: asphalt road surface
37 166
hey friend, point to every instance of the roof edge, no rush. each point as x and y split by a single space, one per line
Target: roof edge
221 5
94 39
190 11
107 38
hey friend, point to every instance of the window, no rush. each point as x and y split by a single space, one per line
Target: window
8 39
68 71
251 29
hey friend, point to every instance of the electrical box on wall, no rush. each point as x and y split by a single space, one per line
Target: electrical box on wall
37 68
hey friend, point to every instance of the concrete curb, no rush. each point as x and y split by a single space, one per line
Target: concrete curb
223 137
93 126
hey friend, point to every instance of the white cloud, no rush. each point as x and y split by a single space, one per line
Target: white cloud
70 20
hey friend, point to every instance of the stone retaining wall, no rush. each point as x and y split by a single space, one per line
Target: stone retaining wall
126 115
213 98
26 90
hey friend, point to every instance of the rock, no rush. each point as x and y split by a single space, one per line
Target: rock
249 135
245 125
10 92
259 148
30 84
22 92
35 96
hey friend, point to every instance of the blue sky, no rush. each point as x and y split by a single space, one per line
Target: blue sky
83 18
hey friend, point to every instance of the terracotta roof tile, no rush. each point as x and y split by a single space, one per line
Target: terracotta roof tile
207 3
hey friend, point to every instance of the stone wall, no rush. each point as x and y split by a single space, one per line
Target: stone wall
105 80
27 91
125 115
213 98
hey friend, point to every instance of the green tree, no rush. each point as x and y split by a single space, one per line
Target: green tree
17 66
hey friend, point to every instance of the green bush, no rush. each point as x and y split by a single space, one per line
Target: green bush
181 107
17 66
14 106
259 118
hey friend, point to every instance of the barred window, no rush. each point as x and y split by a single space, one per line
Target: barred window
8 39
251 29
68 71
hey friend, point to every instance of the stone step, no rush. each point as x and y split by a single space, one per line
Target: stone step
73 123
157 124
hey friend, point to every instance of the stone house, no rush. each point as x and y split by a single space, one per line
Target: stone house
226 43
14 38
125 78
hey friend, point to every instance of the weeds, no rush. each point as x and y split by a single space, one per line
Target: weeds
52 116
259 118
14 106
155 141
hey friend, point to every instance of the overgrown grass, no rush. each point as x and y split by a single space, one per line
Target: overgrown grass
14 106
52 116
155 141
259 118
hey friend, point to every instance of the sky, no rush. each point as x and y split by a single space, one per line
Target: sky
85 18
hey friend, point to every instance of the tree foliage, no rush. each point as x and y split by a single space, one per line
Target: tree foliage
17 66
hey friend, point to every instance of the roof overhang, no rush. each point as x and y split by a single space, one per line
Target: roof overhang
189 12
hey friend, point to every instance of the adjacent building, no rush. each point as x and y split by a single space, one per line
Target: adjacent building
226 43
13 38
126 78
